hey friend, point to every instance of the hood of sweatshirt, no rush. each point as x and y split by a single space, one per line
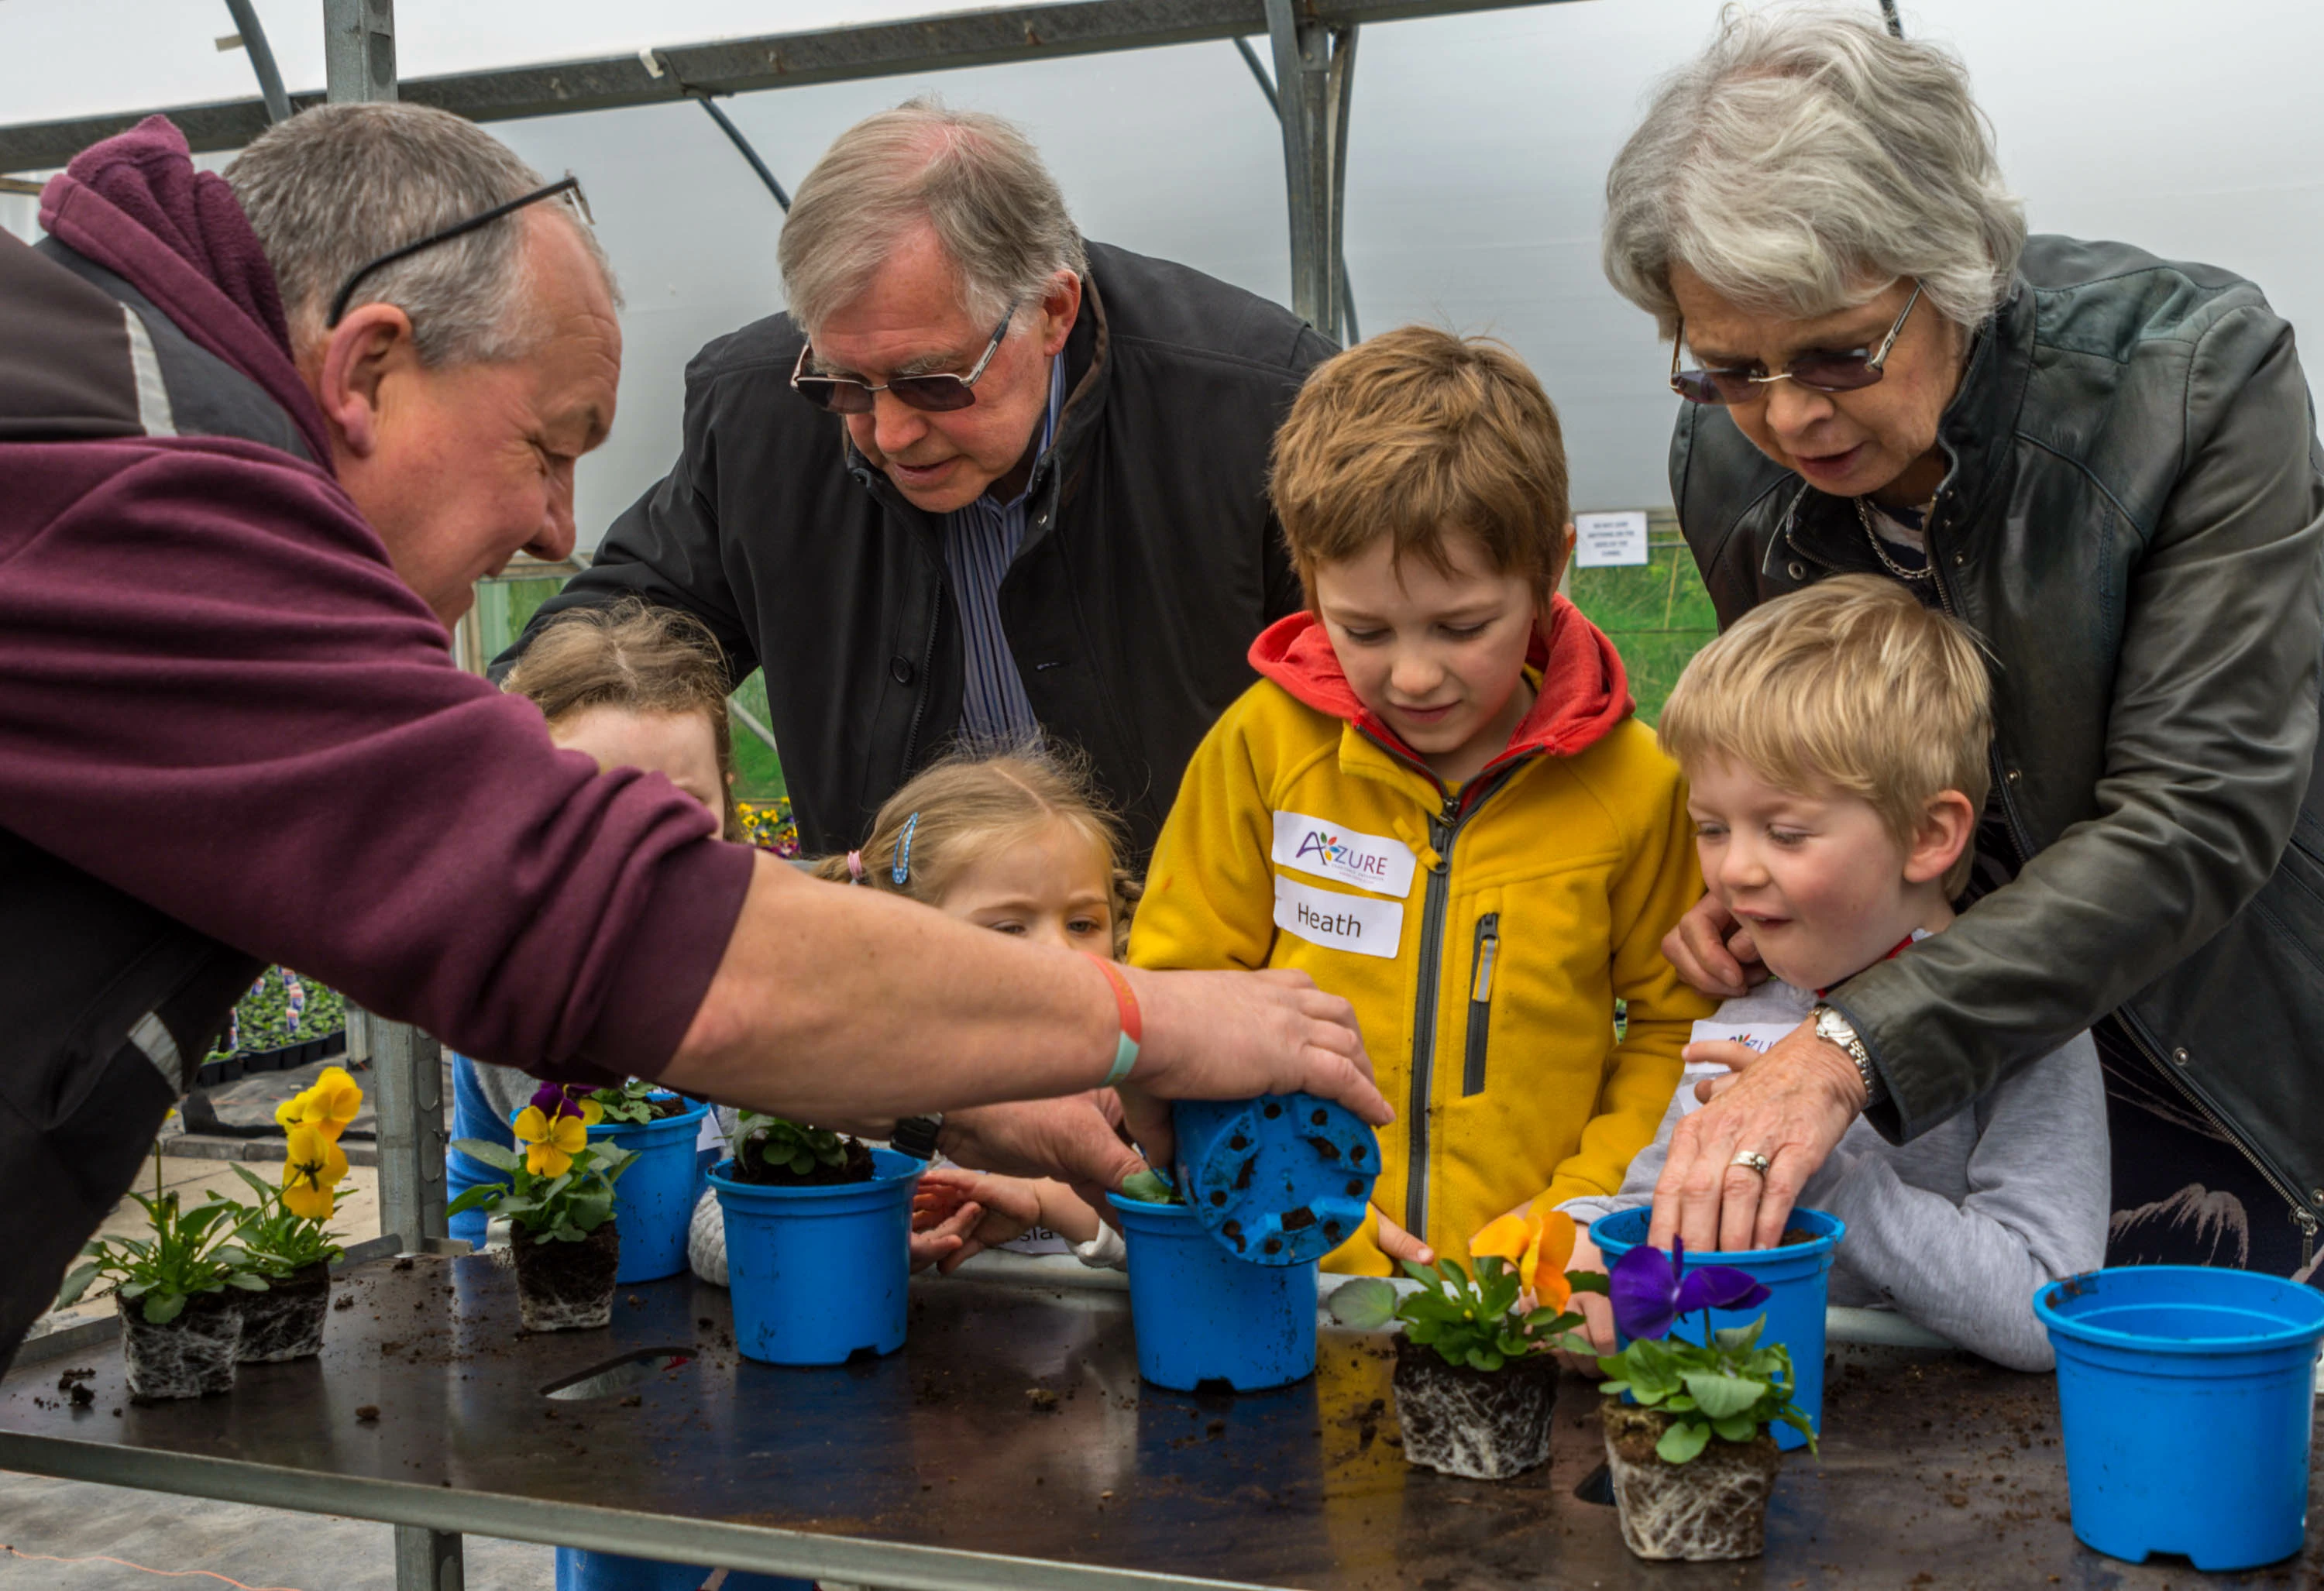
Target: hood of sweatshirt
135 205
1584 690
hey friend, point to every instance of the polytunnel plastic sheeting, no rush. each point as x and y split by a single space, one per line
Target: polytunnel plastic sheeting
1478 150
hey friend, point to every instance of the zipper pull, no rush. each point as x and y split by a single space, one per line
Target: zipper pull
1482 989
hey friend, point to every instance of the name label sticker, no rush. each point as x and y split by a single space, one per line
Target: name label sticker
1339 922
1761 1036
1345 856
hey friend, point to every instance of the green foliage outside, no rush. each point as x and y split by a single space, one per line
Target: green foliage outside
266 1018
1659 614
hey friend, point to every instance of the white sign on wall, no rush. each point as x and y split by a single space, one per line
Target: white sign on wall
1605 541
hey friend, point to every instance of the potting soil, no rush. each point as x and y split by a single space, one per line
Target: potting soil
189 1357
286 1321
1483 1425
566 1286
1711 1508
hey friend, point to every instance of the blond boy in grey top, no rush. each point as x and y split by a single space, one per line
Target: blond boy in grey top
1834 745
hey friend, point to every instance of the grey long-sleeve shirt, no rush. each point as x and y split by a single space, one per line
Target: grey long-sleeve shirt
1957 1228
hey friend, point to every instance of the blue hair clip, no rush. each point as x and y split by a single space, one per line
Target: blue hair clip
902 870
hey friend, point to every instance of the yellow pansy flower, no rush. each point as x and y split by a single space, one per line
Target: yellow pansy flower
1539 1247
327 1105
312 1167
549 1145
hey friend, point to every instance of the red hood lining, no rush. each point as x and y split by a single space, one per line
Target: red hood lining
1584 690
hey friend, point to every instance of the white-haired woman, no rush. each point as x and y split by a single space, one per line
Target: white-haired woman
2105 462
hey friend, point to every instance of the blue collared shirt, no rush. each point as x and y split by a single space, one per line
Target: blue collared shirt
981 541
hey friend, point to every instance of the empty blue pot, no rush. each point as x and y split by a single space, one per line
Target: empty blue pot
654 1199
605 1571
819 1273
1204 1316
2187 1396
1282 1179
1795 1278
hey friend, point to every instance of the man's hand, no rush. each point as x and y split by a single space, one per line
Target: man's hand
1714 952
1792 1105
1074 1139
1235 1035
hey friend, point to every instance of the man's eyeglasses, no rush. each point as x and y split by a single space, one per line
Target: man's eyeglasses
1825 371
571 184
937 394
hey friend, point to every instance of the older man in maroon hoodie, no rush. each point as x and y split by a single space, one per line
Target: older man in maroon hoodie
258 436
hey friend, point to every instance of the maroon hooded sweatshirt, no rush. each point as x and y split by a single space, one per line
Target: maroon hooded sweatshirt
217 697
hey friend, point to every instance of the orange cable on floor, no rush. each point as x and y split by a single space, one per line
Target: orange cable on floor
140 1568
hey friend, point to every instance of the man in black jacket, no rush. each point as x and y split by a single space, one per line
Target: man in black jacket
984 480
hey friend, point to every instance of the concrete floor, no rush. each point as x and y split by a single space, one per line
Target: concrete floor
239 1545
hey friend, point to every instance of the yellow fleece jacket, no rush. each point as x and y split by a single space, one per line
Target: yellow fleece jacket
1482 934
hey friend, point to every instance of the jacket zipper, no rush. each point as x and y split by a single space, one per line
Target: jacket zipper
920 696
1480 1002
2302 1217
1443 830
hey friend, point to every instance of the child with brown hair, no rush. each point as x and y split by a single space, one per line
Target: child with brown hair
1012 841
1437 804
633 686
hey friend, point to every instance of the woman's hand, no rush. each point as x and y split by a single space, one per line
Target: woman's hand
974 1210
1792 1105
1714 952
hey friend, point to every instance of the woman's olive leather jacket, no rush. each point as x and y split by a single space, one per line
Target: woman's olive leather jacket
2133 522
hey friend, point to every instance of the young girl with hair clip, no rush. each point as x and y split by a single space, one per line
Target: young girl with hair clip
1014 842
633 686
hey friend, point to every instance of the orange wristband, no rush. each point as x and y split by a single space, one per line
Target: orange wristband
1133 1025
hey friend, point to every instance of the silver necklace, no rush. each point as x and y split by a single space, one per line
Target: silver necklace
1864 518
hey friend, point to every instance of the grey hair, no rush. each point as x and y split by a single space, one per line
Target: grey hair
1803 164
975 179
336 187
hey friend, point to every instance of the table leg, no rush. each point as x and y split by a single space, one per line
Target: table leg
428 1560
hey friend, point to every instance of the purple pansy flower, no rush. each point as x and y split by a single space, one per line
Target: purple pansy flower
552 1102
1651 1288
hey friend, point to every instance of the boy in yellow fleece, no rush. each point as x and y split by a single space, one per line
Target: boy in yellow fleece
1436 802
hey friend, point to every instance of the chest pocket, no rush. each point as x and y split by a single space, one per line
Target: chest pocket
1486 951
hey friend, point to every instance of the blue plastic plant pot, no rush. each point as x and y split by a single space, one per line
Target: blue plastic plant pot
818 1274
1796 1277
654 1200
2186 1394
1203 1317
605 1571
1281 1179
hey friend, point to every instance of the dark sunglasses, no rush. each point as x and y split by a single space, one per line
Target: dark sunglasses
571 184
937 394
1825 371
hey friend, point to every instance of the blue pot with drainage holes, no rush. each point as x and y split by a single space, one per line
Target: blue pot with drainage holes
2187 1397
1281 1179
1797 1278
654 1200
606 1572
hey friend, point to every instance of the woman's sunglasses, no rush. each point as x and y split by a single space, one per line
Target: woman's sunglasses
1826 371
937 394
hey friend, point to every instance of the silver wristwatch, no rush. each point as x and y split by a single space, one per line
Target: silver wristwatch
1835 1028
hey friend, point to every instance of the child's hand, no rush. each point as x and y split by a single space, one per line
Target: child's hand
1004 1208
1597 1309
942 1217
1725 1053
1399 1243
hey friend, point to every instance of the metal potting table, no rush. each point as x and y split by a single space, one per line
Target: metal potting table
1011 1444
